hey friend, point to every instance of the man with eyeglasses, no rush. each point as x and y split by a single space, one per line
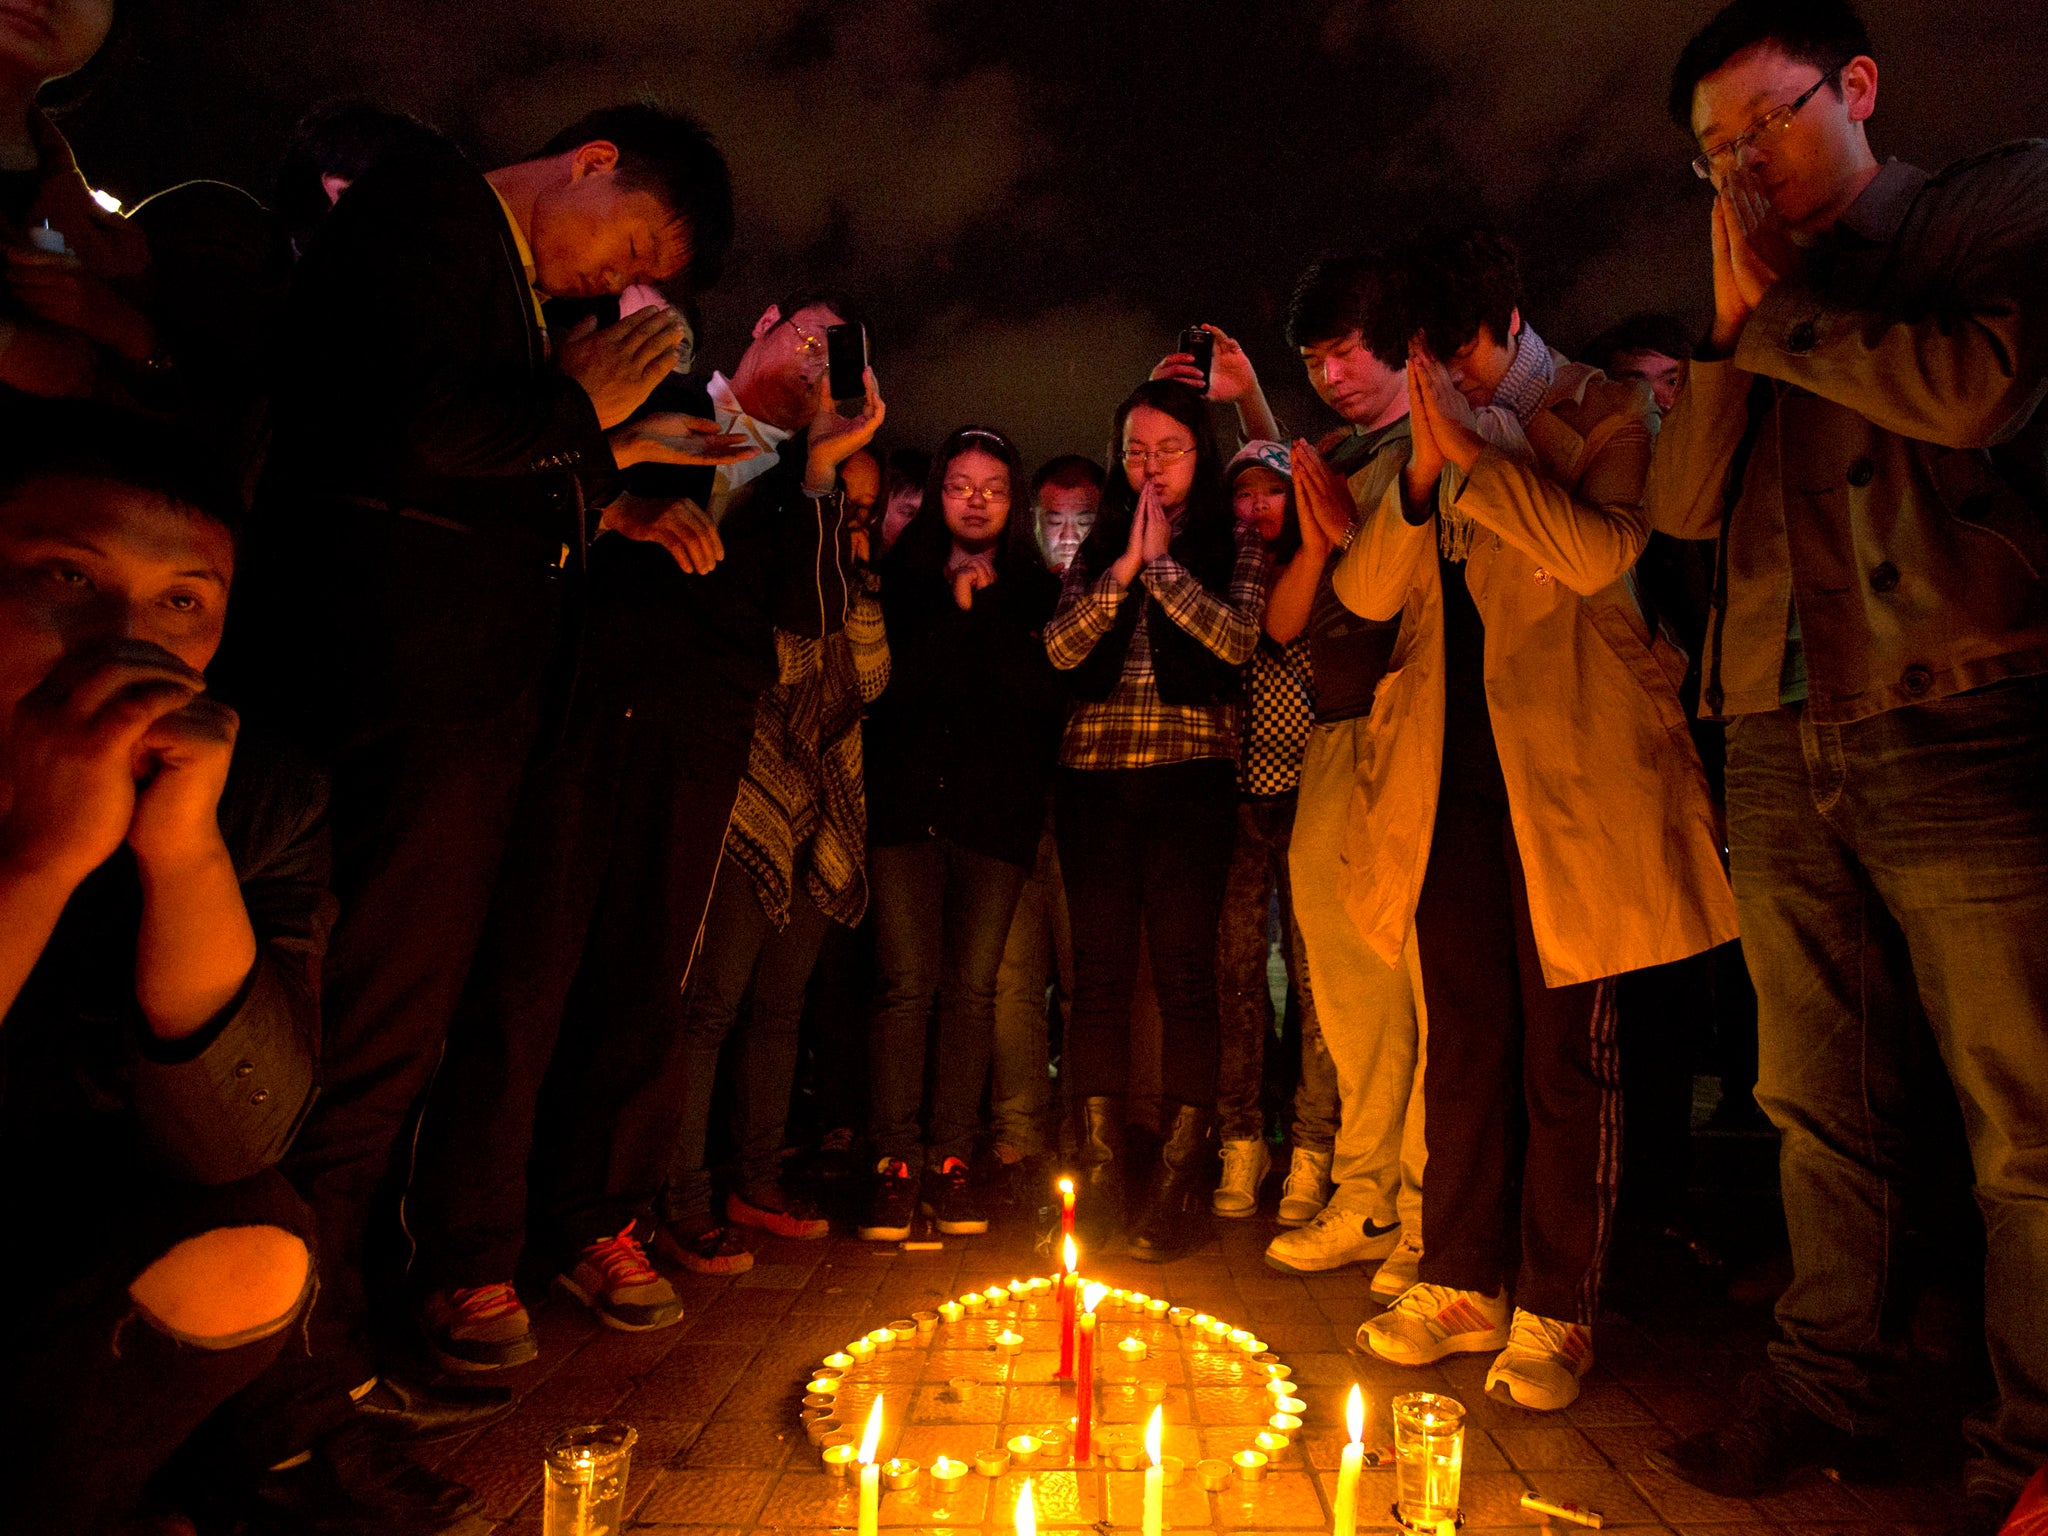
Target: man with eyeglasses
1863 436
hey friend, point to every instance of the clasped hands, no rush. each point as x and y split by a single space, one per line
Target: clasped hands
1753 251
1151 535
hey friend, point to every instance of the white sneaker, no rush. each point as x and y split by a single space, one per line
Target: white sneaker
1245 1166
1542 1364
1431 1321
1307 1189
1335 1238
1403 1267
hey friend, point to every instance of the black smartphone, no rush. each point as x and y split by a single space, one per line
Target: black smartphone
846 361
1201 345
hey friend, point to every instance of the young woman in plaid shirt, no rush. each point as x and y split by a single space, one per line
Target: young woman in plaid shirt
1157 616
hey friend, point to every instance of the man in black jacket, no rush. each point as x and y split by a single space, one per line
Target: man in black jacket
416 562
609 870
163 908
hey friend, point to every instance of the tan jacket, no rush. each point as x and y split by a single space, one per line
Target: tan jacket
1886 411
1609 805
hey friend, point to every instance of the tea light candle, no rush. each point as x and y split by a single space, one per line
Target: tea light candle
1018 1289
839 1361
1288 1424
1024 1450
861 1349
1272 1366
1253 1346
900 1472
1218 1330
1292 1405
1132 1348
1156 1308
820 1401
1053 1445
1203 1320
1125 1457
839 1456
906 1327
882 1338
973 1301
1180 1317
1153 1391
1040 1285
1171 1470
993 1462
948 1474
1279 1386
823 1386
952 1311
1214 1473
962 1387
1137 1301
1010 1343
820 1426
1269 1443
995 1296
1239 1337
1250 1465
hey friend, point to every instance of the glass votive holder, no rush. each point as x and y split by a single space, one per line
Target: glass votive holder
584 1479
1429 1457
1023 1450
1214 1473
993 1462
839 1454
948 1475
1131 1348
1250 1466
952 1311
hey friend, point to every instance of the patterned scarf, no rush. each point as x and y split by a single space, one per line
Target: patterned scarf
1502 423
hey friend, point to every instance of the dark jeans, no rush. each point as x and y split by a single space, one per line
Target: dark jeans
1150 844
578 984
741 952
1886 868
97 1396
941 913
1666 1013
1523 1086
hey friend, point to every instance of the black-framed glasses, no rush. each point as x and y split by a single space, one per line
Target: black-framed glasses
1767 127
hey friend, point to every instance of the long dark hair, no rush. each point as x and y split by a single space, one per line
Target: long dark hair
1206 522
921 550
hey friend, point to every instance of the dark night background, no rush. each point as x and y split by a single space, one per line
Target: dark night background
1032 199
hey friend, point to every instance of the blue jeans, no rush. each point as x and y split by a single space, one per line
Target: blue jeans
942 912
1885 868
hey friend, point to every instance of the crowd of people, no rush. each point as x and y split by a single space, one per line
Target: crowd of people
460 790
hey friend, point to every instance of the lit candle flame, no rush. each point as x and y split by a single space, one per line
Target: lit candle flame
1073 1256
1354 1415
1066 1189
1027 1511
1091 1297
1152 1433
873 1437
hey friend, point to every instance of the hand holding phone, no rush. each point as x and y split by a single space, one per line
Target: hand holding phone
1199 344
846 364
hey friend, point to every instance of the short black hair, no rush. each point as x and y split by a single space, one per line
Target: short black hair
907 467
672 155
1338 294
90 441
1446 285
1646 331
800 299
1071 470
343 137
1824 33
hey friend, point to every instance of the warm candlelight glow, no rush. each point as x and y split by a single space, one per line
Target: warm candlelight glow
1067 1191
1027 1511
1153 1429
873 1436
1354 1415
1091 1297
1070 1253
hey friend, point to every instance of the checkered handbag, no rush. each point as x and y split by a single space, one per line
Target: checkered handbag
1280 710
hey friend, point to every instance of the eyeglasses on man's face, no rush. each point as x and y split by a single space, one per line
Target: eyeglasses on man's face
1159 458
1724 157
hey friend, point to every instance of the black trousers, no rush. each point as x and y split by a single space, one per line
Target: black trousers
97 1398
1523 1093
1151 845
420 663
577 985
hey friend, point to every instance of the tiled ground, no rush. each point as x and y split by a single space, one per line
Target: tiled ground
716 1403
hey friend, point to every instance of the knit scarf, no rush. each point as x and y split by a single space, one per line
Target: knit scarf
1503 424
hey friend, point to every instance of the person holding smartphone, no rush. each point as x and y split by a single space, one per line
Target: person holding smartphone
960 754
1159 613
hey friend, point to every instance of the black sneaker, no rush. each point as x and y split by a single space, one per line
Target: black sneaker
356 1484
892 1202
950 1201
1773 1437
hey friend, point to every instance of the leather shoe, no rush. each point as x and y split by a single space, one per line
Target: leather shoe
431 1410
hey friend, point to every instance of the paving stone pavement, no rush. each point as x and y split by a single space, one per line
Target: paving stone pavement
716 1401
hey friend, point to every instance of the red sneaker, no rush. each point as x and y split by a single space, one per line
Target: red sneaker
773 1210
614 1280
478 1328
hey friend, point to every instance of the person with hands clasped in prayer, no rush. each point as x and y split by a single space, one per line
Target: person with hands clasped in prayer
1159 612
1532 805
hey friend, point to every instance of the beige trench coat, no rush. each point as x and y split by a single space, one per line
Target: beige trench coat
1605 791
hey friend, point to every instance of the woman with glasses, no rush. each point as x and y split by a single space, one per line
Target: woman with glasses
1157 616
960 755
